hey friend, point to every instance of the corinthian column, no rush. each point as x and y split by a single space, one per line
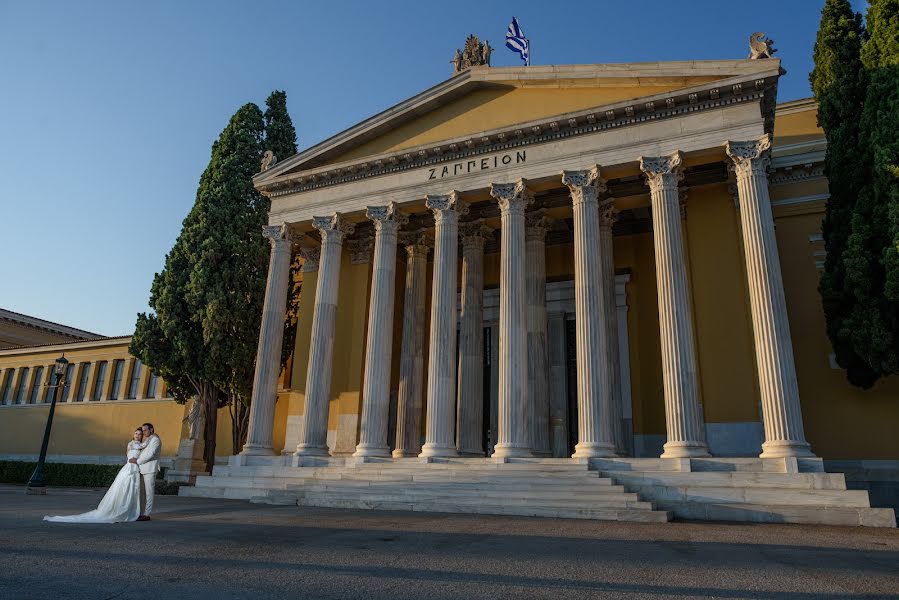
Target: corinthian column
591 305
512 424
538 364
470 405
412 357
683 414
313 441
442 352
271 337
379 343
608 214
782 413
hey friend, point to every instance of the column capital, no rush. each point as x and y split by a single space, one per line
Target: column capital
442 205
512 196
279 234
663 171
608 214
475 234
311 257
749 157
584 185
416 243
334 227
361 249
387 218
536 225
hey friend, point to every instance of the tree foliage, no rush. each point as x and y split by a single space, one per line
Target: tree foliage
207 301
856 83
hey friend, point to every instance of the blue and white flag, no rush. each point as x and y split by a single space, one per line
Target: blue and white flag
516 42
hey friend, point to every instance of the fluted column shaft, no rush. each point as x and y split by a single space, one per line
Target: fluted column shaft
439 425
781 410
379 340
514 412
409 399
607 218
683 413
594 394
538 363
470 405
271 338
313 441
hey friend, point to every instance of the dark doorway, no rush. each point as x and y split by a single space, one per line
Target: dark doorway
571 359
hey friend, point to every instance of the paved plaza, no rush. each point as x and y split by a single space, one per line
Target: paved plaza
201 548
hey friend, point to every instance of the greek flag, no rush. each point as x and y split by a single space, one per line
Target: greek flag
516 42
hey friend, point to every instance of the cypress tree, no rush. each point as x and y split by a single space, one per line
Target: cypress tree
838 82
281 139
872 264
207 301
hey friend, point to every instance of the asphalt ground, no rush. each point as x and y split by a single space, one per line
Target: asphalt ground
222 549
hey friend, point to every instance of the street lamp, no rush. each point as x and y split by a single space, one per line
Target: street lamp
36 483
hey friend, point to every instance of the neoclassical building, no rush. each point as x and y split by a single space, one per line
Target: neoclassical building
526 283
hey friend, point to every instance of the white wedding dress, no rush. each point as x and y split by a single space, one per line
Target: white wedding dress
122 500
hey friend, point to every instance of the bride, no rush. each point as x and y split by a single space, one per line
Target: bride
122 500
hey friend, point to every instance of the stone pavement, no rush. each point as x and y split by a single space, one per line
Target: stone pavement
199 548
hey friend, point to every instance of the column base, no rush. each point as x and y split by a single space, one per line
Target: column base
309 450
373 451
429 450
405 453
510 451
685 450
786 448
594 450
257 450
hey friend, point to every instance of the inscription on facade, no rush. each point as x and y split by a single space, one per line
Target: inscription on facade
477 164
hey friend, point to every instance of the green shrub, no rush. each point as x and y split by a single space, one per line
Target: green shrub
60 474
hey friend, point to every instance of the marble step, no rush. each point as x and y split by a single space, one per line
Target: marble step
475 491
808 481
474 466
460 475
753 495
618 501
779 513
711 464
605 514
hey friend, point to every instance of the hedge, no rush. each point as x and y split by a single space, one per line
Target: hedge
65 474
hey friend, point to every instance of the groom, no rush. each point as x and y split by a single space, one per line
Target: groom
148 461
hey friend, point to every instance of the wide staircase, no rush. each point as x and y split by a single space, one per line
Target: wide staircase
620 489
526 487
746 490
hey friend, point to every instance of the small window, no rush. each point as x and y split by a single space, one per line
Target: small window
135 380
101 380
23 385
6 394
48 390
82 382
69 381
152 383
118 372
36 385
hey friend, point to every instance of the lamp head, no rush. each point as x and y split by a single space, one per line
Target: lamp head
61 364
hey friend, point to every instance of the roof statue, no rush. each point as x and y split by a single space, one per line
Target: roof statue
760 46
474 54
268 161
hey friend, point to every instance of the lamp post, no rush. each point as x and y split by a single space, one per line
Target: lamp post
36 483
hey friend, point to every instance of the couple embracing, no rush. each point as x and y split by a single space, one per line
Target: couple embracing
122 501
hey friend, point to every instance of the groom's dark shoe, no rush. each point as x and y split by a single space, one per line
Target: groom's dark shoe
143 518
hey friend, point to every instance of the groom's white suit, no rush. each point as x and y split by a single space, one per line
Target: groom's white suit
148 462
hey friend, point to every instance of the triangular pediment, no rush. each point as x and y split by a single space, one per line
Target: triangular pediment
481 100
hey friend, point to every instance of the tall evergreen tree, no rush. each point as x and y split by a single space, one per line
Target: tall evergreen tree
839 84
281 139
207 301
872 264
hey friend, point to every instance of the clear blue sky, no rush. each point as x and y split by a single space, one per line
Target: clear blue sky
108 109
